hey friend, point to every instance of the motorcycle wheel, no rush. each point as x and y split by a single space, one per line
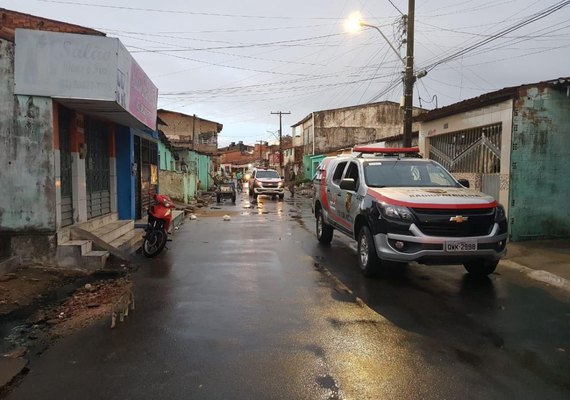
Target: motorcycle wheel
154 242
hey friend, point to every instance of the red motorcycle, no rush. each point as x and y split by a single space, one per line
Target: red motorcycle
159 219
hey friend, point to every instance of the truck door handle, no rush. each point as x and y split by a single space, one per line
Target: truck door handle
338 194
328 190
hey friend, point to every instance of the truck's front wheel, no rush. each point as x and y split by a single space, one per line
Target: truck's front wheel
368 260
481 267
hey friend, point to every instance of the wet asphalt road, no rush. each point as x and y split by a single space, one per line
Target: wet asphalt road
254 308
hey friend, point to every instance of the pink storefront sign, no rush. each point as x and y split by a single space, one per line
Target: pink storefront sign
143 96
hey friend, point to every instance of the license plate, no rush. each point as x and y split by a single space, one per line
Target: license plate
226 189
460 245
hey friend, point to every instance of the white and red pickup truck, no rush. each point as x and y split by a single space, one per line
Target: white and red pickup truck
402 208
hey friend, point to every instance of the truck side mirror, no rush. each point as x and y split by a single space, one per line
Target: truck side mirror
348 184
464 182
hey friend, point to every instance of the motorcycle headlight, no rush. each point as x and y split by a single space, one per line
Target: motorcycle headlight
500 214
396 212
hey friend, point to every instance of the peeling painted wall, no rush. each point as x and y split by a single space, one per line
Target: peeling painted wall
179 186
345 127
198 134
167 161
540 178
27 176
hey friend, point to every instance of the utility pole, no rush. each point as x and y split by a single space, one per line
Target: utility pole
280 140
193 131
260 147
409 78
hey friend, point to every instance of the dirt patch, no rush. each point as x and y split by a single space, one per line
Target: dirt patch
39 305
87 306
26 285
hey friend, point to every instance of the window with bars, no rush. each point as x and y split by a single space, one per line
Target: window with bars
475 150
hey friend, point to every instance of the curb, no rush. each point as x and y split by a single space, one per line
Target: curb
539 275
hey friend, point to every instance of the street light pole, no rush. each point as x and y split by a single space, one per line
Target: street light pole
409 78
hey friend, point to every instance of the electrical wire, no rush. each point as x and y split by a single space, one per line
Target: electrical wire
533 18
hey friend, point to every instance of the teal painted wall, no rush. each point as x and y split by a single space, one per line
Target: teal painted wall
311 163
201 165
167 162
540 180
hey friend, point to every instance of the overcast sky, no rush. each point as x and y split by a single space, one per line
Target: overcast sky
235 62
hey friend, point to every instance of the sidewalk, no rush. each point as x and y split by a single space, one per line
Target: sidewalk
545 260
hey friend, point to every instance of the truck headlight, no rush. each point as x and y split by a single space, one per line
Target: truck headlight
280 184
396 212
500 214
258 184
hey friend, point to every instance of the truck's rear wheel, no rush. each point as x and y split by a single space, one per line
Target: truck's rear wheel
324 230
368 260
481 267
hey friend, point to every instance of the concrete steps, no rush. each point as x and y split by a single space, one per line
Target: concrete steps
80 254
92 243
130 242
110 231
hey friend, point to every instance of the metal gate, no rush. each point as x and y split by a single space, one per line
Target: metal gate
491 184
139 206
149 171
476 150
65 160
97 169
146 180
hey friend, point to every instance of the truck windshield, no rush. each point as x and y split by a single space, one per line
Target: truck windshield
267 174
404 173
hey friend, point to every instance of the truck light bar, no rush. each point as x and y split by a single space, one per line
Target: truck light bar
387 150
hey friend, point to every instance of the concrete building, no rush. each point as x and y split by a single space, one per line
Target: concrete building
191 132
77 120
181 184
513 144
196 141
327 131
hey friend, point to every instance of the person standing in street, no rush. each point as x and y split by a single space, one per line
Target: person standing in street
239 181
292 179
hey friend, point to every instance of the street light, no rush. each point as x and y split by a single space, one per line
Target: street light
354 23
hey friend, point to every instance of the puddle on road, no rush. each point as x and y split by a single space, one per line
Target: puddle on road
329 383
216 213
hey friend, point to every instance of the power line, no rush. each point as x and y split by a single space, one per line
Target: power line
241 46
157 10
533 18
397 9
234 30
